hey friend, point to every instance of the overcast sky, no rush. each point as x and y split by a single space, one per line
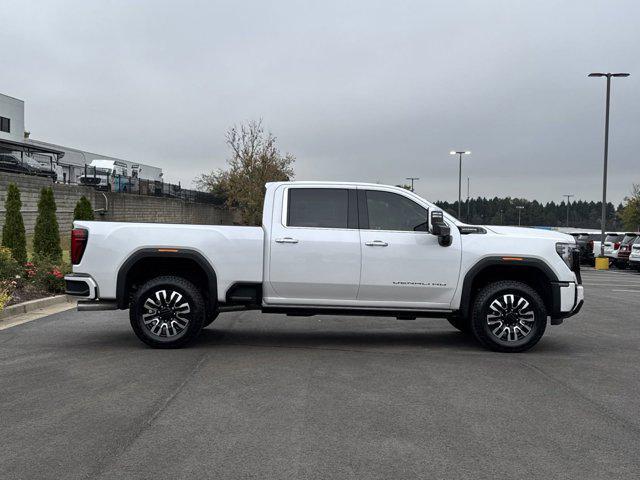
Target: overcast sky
356 90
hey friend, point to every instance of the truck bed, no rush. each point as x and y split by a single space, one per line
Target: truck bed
235 253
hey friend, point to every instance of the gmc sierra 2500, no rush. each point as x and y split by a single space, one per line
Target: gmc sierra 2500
331 248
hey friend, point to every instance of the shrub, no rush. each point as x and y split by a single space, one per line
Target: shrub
13 234
5 295
46 275
83 210
46 240
9 268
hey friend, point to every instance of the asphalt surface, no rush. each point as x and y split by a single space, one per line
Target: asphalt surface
324 397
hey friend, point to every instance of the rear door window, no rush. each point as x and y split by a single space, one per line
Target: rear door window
320 207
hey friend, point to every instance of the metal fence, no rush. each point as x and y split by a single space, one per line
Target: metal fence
106 180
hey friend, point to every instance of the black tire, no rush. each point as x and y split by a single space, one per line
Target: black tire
459 323
177 320
493 308
210 319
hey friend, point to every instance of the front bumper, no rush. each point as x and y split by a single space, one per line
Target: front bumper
568 299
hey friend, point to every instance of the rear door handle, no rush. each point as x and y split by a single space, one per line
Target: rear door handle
376 243
286 240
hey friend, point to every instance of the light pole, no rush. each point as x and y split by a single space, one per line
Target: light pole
568 197
459 153
606 151
468 204
519 208
412 179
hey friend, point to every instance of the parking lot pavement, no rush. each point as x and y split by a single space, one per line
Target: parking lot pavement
324 397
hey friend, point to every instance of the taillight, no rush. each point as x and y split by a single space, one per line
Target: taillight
79 237
616 245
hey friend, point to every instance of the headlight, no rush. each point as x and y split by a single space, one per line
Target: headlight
565 250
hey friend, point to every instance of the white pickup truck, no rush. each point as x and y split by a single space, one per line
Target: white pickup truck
331 248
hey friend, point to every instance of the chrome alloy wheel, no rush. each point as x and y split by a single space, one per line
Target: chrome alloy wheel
510 317
166 315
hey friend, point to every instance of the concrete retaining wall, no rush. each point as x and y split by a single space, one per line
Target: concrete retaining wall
122 207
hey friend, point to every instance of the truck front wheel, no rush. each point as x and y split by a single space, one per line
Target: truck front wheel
460 323
508 316
167 312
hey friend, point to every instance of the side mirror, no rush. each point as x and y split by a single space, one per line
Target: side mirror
439 228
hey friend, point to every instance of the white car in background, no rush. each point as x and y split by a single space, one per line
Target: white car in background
634 256
612 245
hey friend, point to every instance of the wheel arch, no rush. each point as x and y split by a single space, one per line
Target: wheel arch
151 262
532 271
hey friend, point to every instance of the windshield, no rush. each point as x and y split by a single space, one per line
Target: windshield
628 239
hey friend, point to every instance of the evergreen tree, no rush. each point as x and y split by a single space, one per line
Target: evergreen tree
83 210
46 240
13 234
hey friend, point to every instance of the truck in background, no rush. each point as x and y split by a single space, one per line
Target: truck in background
117 175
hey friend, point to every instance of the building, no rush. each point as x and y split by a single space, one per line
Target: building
69 163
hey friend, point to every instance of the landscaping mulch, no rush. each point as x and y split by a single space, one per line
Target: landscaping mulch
27 293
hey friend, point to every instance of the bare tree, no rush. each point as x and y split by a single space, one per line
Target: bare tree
255 160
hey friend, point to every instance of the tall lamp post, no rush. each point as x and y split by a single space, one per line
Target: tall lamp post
412 179
459 153
568 197
519 208
606 151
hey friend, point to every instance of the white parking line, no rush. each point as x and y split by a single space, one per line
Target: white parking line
638 291
610 285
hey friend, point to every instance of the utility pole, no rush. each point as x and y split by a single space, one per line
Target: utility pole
412 179
606 152
568 197
459 153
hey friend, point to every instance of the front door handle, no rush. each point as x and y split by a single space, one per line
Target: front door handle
286 240
376 243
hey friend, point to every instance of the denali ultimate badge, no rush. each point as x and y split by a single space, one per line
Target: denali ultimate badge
422 284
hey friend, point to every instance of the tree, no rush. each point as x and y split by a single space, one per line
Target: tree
255 160
46 240
13 233
83 210
630 212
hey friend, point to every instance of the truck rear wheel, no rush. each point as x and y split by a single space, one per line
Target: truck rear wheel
167 312
508 316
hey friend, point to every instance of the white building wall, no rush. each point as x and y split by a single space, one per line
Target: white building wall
13 109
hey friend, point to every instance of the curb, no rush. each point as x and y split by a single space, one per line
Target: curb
32 305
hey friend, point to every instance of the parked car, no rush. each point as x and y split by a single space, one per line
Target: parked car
611 245
26 165
634 256
585 242
331 248
625 249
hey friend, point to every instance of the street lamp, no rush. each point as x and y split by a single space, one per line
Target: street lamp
459 153
568 197
519 208
606 151
412 179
